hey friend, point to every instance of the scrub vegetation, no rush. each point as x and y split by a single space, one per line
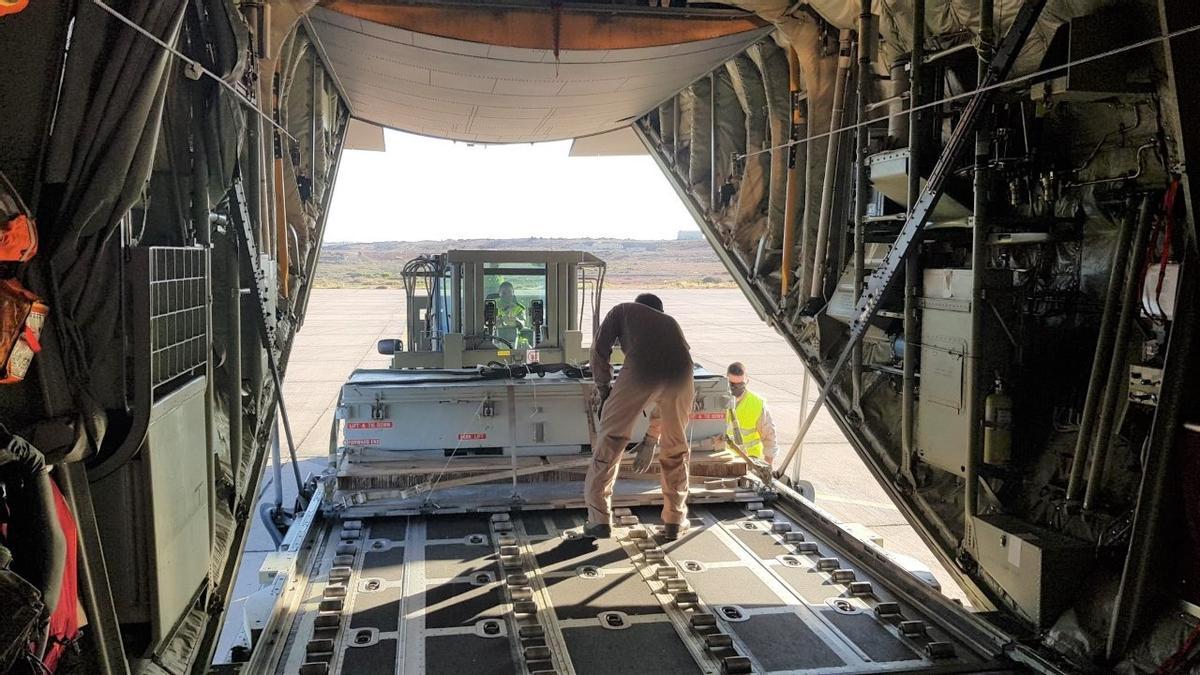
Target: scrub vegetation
632 263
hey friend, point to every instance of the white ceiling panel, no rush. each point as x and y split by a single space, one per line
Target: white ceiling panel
528 87
475 92
462 85
575 88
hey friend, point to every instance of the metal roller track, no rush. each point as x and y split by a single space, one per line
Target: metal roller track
746 589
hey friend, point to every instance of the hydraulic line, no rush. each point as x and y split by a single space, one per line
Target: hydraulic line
268 511
979 252
281 228
1117 365
273 363
233 360
675 122
821 250
1104 348
1151 527
912 266
714 192
202 217
792 199
898 125
276 466
865 43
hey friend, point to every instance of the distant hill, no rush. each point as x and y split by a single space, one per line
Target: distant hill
631 262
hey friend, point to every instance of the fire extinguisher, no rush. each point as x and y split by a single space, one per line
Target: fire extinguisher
997 425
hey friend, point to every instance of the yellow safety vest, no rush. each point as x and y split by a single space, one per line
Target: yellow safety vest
745 416
511 320
507 317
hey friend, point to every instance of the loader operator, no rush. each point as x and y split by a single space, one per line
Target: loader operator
657 372
510 315
749 421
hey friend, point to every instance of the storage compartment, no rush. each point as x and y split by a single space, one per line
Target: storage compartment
154 516
943 426
1039 569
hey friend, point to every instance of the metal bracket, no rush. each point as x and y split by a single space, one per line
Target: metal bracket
260 290
245 229
767 492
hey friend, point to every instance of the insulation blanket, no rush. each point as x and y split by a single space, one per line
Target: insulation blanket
942 17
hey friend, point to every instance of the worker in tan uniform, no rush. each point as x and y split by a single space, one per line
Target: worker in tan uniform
657 372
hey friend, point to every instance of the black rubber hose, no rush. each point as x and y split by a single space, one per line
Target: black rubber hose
18 457
498 371
266 512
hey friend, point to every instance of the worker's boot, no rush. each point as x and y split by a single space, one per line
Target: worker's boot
597 530
671 531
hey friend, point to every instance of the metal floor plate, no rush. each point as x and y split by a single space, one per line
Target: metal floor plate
743 591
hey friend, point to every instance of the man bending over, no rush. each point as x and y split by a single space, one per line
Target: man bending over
657 371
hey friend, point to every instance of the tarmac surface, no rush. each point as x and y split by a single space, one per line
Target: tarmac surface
342 326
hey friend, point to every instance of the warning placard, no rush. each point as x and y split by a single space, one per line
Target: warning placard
707 416
474 436
369 425
362 441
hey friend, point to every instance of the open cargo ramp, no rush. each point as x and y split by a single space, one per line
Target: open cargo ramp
746 589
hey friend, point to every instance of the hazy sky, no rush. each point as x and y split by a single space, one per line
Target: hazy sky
424 188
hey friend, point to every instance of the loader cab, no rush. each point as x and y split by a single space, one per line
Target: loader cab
470 308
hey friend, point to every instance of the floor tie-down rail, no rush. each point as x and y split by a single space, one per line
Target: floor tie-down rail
746 589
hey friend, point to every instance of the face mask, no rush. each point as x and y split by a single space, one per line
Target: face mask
737 389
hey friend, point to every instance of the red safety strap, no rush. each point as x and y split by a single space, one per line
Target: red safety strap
31 337
64 622
1180 659
1168 232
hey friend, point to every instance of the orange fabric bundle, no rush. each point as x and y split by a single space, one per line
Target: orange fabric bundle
12 6
22 316
18 238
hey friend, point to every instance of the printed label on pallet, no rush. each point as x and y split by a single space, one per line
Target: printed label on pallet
472 437
362 441
369 425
